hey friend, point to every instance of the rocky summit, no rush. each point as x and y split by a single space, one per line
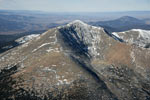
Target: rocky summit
75 62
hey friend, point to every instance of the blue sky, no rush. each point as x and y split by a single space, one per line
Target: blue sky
76 5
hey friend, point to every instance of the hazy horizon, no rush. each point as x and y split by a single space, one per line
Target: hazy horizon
75 11
76 5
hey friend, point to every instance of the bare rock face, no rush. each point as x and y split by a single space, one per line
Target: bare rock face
75 62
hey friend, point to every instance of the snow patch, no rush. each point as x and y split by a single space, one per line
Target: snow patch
62 82
53 37
27 38
114 33
53 49
54 65
77 22
49 69
41 46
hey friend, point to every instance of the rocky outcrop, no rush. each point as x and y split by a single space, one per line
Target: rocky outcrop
75 62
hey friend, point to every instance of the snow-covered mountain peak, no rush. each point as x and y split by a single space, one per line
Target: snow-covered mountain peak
86 61
78 21
78 24
85 34
81 24
135 36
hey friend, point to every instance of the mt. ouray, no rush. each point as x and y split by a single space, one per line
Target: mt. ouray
75 62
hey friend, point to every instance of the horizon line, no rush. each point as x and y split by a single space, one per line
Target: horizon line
77 11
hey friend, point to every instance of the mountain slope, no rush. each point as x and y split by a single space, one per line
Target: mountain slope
10 41
75 62
137 37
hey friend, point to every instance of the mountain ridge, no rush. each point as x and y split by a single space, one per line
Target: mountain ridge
75 61
137 37
122 24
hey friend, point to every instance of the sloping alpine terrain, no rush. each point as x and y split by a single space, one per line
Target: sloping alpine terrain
137 37
75 62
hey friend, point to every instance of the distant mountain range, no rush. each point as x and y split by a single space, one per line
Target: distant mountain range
122 24
12 22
